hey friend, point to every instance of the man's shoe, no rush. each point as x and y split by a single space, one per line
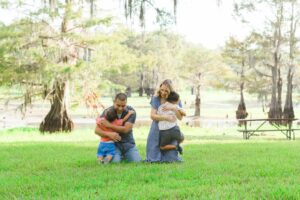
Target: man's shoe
179 149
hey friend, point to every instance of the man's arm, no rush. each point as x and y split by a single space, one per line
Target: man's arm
120 129
112 135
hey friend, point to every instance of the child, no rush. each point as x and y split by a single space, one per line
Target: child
107 148
169 131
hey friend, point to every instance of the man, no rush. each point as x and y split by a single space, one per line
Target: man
123 136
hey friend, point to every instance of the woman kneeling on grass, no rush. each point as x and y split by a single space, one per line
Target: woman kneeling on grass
153 151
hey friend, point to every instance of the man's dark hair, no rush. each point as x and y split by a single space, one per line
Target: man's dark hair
173 97
121 96
111 114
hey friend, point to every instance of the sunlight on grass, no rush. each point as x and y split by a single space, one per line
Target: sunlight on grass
218 164
65 167
193 135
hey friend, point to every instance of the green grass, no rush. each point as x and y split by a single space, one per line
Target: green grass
216 166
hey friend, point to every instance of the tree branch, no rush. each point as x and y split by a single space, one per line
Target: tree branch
261 73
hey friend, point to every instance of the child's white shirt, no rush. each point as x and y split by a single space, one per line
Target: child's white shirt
165 125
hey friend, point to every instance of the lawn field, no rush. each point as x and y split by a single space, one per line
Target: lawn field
222 166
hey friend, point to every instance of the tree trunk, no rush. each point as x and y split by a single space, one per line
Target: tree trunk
279 95
288 112
273 104
45 91
155 77
241 112
57 119
92 7
198 99
128 91
141 88
274 107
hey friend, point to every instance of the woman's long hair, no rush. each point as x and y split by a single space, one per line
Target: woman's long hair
167 83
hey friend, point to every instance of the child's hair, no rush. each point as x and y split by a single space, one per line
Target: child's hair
111 114
173 97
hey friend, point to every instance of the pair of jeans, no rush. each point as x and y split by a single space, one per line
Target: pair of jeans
131 155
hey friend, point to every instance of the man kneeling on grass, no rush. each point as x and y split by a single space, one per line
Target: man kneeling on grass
107 148
122 135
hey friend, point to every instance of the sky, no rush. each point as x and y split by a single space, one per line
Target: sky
207 23
199 21
203 21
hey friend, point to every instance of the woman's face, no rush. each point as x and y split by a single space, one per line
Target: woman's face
164 91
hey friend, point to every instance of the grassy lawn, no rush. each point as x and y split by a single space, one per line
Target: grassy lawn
222 166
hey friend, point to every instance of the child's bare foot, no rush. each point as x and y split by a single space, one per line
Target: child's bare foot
107 159
100 160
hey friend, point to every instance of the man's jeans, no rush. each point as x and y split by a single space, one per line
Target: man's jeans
132 155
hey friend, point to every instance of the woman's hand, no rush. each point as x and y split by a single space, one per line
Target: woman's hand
170 107
182 112
170 118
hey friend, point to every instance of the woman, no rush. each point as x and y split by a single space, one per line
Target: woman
153 152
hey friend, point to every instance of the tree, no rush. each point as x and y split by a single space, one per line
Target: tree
157 52
271 44
62 47
288 112
22 61
239 54
200 66
71 22
52 51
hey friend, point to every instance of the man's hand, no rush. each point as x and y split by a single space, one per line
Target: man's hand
105 123
114 136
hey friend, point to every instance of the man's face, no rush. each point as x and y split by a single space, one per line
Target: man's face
119 105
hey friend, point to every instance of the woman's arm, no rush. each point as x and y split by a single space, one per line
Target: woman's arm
156 117
179 112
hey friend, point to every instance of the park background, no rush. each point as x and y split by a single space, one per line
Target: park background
63 61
